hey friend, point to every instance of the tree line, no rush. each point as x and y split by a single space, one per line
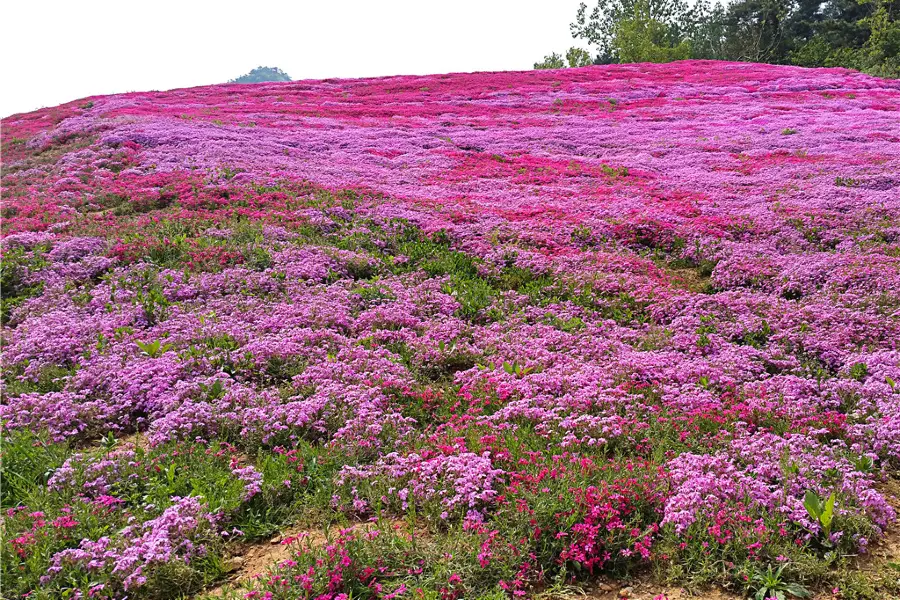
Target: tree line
858 34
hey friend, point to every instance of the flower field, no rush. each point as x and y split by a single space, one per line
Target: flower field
472 336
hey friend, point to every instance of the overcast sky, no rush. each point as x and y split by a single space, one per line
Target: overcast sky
58 51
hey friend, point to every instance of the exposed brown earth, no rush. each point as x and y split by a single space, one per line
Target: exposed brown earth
252 560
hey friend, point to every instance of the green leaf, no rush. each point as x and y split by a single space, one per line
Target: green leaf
813 504
828 513
795 589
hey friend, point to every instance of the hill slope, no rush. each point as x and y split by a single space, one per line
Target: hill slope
540 325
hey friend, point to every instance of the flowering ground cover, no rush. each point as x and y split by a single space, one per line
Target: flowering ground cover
638 321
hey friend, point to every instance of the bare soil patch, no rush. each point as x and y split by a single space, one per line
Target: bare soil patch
249 561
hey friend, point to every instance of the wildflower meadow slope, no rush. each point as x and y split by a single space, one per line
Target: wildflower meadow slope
473 335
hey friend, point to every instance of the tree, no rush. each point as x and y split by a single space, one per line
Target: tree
551 61
641 38
880 55
859 34
575 57
707 30
862 35
601 26
760 30
261 74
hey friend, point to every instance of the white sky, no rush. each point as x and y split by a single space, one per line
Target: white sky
57 51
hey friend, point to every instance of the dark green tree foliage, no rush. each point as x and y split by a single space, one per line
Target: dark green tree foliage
260 74
859 34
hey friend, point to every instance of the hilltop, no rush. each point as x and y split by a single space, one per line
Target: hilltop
456 336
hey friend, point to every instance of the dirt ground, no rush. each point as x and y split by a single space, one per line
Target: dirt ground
252 560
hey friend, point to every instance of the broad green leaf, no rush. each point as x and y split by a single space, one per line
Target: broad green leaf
813 504
828 513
